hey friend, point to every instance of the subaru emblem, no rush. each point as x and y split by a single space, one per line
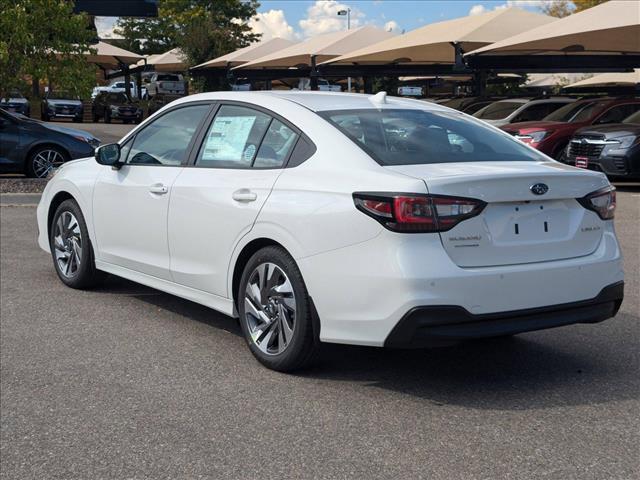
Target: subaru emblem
539 188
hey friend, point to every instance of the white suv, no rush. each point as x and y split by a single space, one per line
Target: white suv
327 217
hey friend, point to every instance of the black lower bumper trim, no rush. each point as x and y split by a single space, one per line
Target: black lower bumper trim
424 326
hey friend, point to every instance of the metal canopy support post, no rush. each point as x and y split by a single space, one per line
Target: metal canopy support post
480 83
138 76
313 74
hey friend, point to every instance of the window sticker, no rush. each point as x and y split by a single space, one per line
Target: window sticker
227 139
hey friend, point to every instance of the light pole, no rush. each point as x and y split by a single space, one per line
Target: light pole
347 12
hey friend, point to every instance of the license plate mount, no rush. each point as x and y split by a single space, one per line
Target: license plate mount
582 162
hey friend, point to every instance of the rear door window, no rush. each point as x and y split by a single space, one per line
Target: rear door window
234 137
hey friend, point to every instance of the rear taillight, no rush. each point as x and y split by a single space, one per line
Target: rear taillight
603 202
411 213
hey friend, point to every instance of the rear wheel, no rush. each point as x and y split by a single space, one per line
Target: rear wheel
275 311
44 159
71 248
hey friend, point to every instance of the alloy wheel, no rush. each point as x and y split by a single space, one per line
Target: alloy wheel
67 242
45 161
270 309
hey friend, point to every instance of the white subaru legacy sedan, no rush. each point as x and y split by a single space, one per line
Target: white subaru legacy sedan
327 217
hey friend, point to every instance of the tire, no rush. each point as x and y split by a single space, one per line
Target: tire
107 117
78 120
281 303
561 154
45 117
42 159
73 244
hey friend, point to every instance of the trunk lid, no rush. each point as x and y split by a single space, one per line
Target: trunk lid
517 226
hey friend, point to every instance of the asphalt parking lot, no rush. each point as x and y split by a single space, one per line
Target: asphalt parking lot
128 382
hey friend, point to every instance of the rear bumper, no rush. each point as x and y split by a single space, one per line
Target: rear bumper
424 326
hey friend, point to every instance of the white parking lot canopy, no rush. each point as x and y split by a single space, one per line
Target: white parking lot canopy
433 43
610 28
613 79
247 54
322 47
109 55
170 61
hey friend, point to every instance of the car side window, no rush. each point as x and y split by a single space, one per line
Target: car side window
234 138
276 145
165 140
618 113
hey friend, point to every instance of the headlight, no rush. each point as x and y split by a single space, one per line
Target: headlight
624 142
114 109
533 137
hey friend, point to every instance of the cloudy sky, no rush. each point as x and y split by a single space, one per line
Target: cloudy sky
300 19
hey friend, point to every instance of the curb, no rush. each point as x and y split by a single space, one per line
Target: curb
19 199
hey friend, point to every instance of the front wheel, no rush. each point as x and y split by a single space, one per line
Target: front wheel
275 310
71 248
43 160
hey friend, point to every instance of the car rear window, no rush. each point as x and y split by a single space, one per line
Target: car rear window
498 110
414 137
169 78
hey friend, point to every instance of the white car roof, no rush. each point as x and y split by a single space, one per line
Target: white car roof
321 101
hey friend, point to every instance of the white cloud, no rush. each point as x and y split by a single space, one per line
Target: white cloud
105 26
272 24
322 17
392 26
478 9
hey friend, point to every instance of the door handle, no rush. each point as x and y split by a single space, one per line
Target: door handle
158 188
244 195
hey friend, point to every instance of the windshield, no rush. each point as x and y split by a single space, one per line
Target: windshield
169 78
571 111
117 98
633 118
498 110
414 137
62 96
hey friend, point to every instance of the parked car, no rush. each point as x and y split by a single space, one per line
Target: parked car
35 148
241 85
514 110
119 87
61 105
16 103
115 106
613 148
469 105
317 217
552 134
408 91
159 101
323 85
165 83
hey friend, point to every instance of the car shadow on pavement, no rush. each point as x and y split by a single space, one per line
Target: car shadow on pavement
530 371
179 306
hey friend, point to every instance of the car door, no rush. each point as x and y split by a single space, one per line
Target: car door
9 140
215 202
616 113
130 203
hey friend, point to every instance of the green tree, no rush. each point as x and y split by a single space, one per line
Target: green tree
202 29
558 8
584 4
564 8
44 39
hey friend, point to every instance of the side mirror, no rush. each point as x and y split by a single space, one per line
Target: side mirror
109 155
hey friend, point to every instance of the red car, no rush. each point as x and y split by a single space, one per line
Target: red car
552 134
